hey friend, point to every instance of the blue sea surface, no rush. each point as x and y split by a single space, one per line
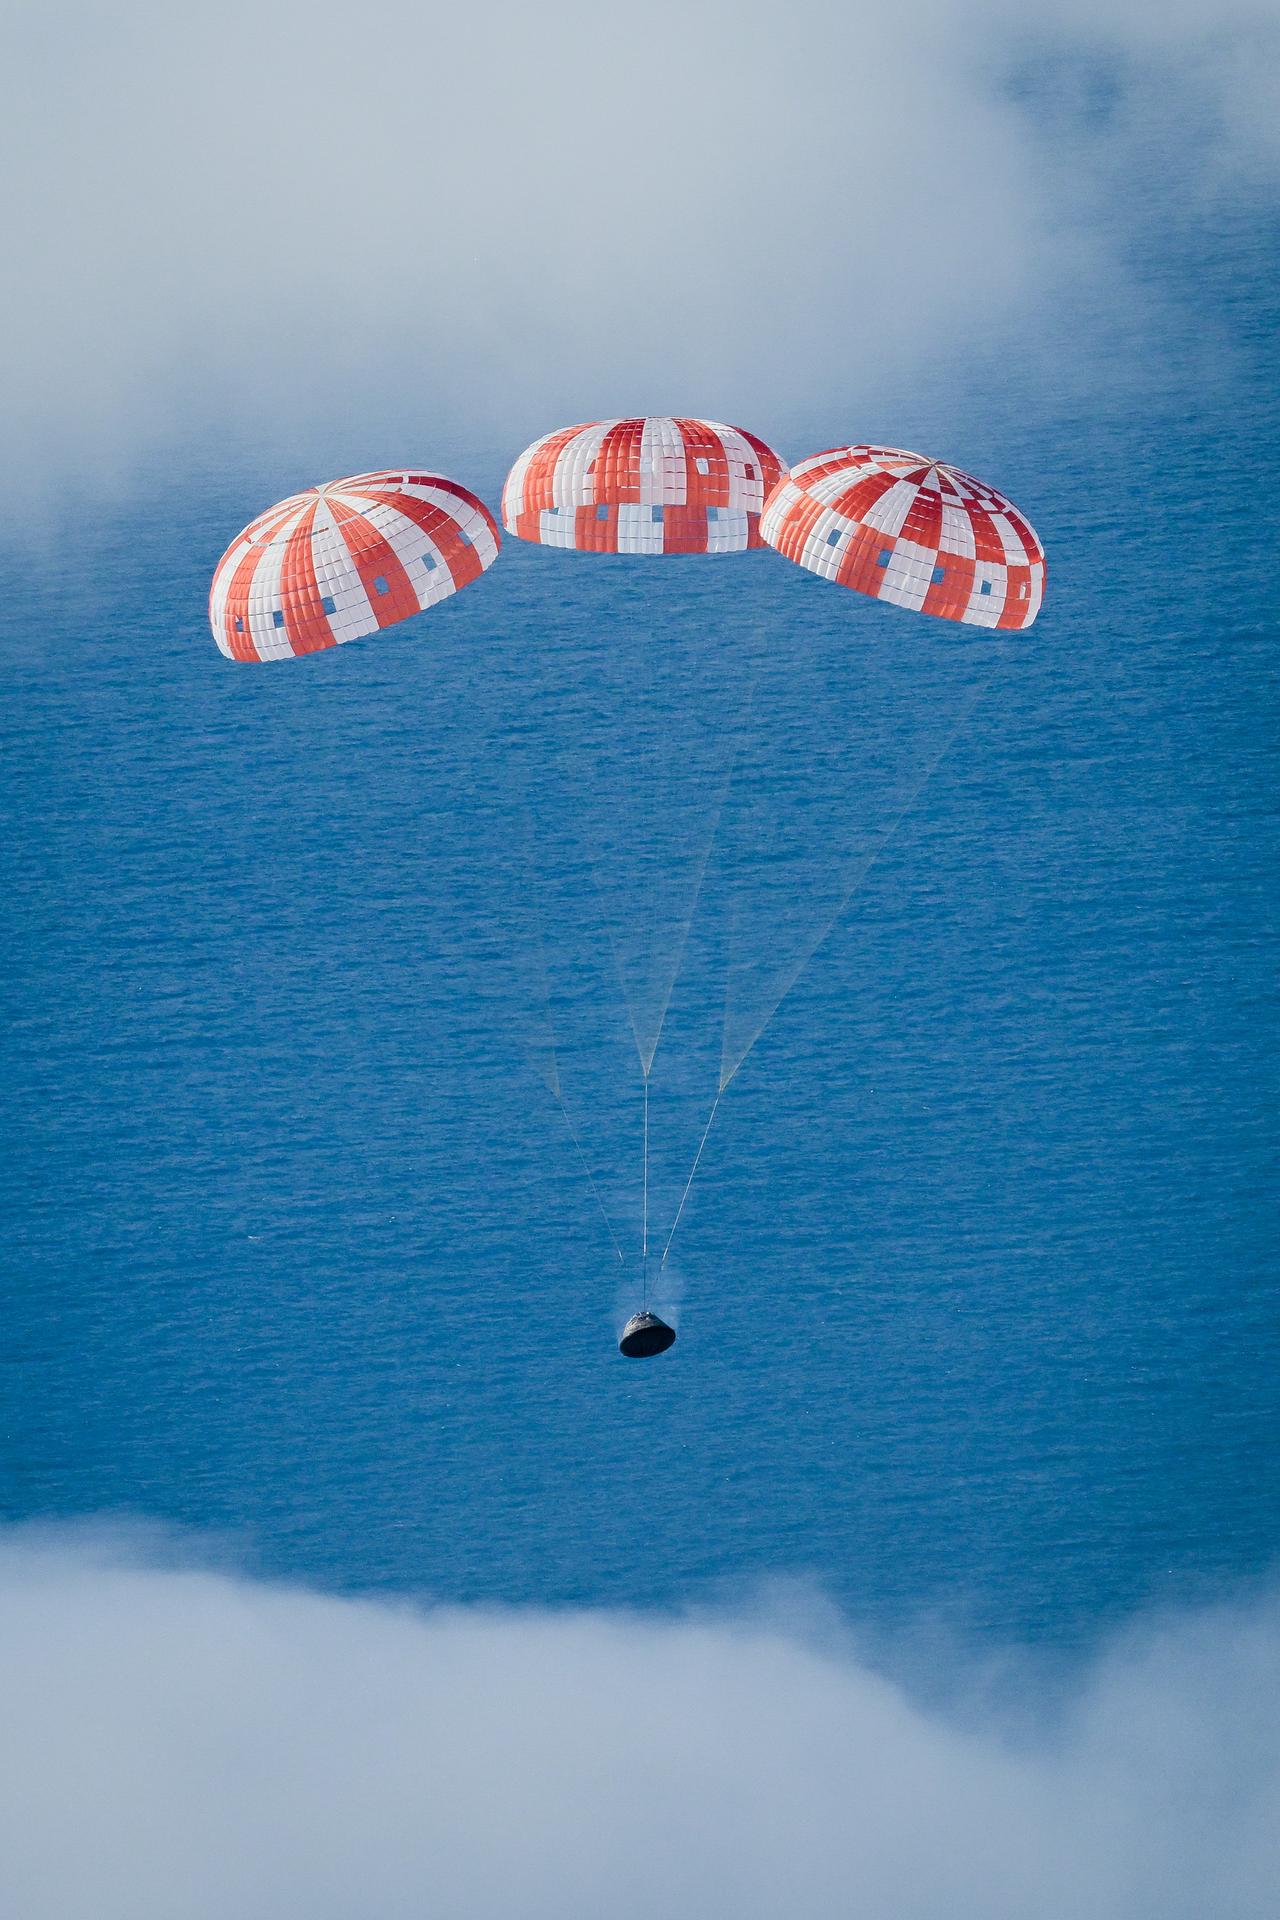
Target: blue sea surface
976 1285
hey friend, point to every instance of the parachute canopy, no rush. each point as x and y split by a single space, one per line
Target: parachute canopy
343 560
910 530
642 486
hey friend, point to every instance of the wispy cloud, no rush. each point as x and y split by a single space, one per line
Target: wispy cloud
259 218
193 1745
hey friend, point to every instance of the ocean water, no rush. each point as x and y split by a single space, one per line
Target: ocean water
976 1285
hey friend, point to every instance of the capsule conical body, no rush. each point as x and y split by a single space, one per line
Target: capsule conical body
645 1334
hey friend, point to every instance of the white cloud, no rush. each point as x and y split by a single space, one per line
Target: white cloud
190 1745
265 217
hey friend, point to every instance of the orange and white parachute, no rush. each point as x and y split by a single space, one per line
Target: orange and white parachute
642 486
343 560
909 530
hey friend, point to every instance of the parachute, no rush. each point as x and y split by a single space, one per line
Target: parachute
922 535
653 486
346 559
925 536
909 530
645 488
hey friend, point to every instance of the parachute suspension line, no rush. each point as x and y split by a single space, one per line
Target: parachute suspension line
626 617
689 1182
726 783
591 1179
644 1238
729 767
860 872
550 1077
649 751
725 786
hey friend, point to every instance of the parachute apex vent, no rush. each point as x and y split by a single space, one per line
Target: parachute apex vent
645 1334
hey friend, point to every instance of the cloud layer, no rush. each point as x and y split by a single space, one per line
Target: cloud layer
257 219
183 1744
